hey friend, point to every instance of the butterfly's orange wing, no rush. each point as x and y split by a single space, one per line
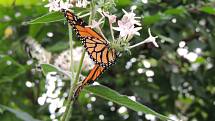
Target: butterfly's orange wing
100 52
92 76
80 27
96 46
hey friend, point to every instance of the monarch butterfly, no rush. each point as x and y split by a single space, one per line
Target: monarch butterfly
97 47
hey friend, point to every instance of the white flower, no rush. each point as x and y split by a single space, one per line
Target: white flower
65 5
37 52
126 26
52 95
130 17
82 3
147 40
127 29
150 117
96 24
57 5
111 18
53 5
191 56
145 1
63 61
151 38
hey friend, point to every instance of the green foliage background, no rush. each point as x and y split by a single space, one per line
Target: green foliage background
187 92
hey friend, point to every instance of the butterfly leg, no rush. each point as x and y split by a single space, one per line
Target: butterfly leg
80 87
78 90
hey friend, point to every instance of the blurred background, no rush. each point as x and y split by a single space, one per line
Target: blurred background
177 79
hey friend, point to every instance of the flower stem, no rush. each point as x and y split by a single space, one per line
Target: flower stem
82 16
100 31
111 30
92 12
138 44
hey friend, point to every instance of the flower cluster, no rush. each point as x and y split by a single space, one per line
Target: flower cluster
184 52
52 96
63 60
57 5
36 51
128 26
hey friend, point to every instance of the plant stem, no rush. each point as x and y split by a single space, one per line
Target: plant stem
68 110
71 51
70 102
79 67
69 105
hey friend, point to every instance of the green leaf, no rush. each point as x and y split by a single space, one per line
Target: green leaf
200 60
10 68
175 11
59 46
114 96
35 29
46 68
47 18
18 2
123 2
147 20
151 19
208 9
19 114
